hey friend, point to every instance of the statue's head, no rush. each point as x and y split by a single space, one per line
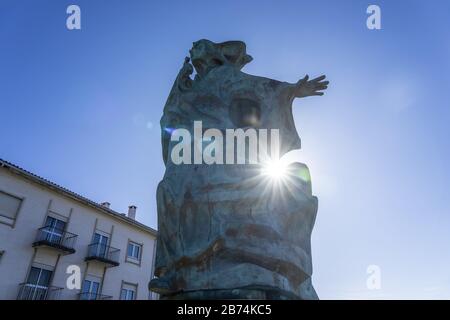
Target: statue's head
206 55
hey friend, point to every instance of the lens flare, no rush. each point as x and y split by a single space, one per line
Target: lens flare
275 170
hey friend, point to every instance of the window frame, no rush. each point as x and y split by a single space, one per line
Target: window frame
12 224
38 289
93 283
124 286
52 231
101 244
132 259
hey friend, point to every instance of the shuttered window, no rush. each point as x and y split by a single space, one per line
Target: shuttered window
9 205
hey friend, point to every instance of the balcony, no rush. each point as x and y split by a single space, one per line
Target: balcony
93 296
29 291
54 238
103 253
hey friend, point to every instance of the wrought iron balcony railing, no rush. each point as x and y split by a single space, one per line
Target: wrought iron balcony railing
93 296
56 238
103 253
29 291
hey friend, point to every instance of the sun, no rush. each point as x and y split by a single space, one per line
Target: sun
276 170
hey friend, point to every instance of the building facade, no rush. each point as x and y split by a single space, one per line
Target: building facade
56 244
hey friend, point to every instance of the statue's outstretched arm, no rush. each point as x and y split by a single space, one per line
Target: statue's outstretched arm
305 88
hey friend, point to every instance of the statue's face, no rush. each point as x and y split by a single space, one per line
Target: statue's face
203 55
201 49
207 55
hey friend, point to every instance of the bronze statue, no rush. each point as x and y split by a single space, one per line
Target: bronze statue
227 231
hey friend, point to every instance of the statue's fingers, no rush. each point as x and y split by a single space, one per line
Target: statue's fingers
320 87
319 78
304 80
324 83
317 94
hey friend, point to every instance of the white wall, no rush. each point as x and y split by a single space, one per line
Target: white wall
82 220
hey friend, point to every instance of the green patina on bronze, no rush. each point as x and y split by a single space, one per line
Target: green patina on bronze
225 231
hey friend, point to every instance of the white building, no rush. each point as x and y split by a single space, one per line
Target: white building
47 230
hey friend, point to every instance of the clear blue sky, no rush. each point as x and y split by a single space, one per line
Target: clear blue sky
82 108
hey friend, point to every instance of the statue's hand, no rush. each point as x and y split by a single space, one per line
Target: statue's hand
187 68
305 88
183 79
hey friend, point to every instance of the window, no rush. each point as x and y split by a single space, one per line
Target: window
134 251
9 207
127 294
37 284
89 290
128 291
39 277
53 231
101 245
100 239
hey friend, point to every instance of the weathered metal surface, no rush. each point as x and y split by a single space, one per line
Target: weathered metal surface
225 231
